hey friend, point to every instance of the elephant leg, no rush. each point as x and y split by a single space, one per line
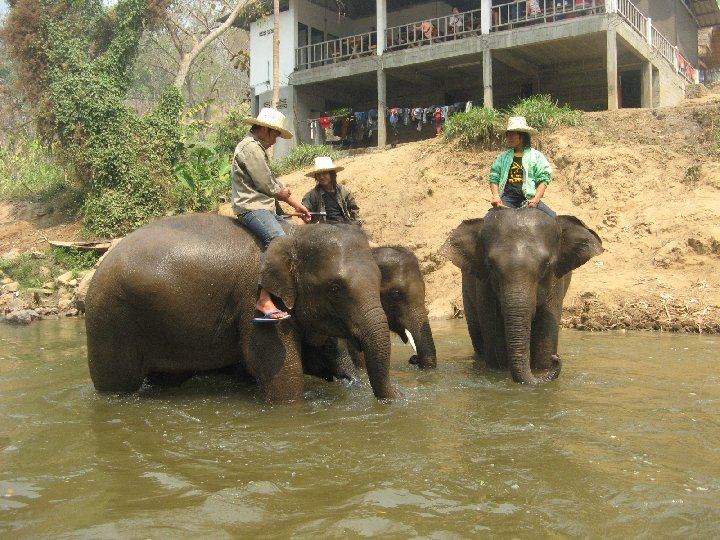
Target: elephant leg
276 364
329 361
115 365
492 328
358 358
546 327
472 314
544 339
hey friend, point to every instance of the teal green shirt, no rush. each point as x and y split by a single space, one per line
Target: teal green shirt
536 171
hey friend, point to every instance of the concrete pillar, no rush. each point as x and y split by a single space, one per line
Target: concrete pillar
485 16
382 104
612 69
381 15
646 81
381 26
487 78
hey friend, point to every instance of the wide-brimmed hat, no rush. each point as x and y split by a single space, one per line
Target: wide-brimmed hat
322 164
518 123
270 118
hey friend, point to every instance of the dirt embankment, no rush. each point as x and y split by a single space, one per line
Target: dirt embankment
645 180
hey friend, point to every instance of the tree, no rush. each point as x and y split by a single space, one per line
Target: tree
200 45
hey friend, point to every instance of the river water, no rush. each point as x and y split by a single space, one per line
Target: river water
625 444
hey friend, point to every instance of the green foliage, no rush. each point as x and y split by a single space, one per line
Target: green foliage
477 126
542 112
26 169
75 260
301 156
203 178
231 130
486 126
33 270
123 162
114 212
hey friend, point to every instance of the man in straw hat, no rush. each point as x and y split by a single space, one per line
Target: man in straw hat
520 175
256 192
328 198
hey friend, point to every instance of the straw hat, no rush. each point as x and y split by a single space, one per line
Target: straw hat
270 118
322 164
518 123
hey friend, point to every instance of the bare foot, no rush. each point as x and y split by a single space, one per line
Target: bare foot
266 306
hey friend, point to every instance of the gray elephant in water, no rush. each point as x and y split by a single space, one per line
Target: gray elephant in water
516 268
402 292
178 296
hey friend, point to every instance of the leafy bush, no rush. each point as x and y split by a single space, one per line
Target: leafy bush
231 131
542 112
26 169
73 259
116 212
34 270
203 178
301 156
477 126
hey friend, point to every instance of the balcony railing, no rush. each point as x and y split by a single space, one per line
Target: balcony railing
509 15
639 23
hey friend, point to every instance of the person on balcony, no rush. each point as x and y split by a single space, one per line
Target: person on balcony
456 23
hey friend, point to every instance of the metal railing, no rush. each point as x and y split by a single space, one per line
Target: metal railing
632 15
663 46
511 14
639 23
433 30
335 50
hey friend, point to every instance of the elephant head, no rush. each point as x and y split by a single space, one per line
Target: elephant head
329 278
516 267
402 292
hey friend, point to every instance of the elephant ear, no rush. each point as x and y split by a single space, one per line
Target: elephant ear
461 246
276 272
578 244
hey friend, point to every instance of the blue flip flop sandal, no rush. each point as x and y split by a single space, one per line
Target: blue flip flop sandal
267 318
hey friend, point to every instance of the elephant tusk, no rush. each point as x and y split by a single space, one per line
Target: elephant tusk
411 340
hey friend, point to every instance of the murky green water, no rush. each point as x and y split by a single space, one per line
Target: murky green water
625 444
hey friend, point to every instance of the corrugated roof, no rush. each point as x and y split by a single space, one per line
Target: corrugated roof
707 12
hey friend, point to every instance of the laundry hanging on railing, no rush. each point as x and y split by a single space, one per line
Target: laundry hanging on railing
358 126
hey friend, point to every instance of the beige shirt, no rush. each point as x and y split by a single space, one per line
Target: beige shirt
253 184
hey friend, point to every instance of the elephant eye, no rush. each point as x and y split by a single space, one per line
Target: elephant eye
334 289
396 294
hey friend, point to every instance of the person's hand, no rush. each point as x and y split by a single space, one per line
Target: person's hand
533 203
306 216
496 202
284 194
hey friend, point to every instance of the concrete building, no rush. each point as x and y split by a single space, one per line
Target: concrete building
363 55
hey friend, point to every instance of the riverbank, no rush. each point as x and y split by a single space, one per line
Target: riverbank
646 180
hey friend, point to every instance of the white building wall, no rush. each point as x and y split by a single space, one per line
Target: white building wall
261 51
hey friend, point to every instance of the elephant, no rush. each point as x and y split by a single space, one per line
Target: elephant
402 292
516 266
178 296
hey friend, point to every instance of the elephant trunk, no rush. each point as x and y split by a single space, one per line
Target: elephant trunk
518 315
422 335
374 338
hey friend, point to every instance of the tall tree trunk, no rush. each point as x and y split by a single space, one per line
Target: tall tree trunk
276 55
188 58
276 61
